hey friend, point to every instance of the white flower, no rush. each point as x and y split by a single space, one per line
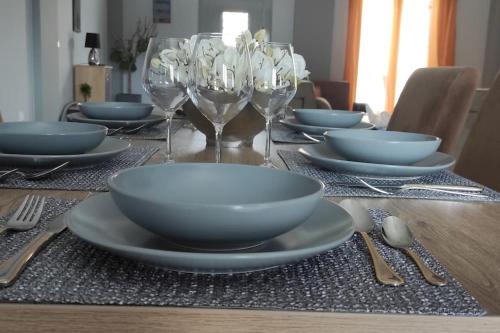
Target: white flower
300 66
263 70
155 63
261 36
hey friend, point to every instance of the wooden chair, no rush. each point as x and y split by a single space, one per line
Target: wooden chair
480 157
1 119
436 101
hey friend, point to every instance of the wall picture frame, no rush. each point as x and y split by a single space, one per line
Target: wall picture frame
162 11
76 16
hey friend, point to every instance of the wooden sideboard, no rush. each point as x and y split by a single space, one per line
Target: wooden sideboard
99 79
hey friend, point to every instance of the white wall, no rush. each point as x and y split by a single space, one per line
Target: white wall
94 17
61 48
340 18
313 35
282 21
472 31
16 72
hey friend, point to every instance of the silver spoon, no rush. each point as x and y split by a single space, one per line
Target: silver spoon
363 223
397 234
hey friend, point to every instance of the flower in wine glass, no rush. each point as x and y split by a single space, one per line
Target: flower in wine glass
220 81
275 83
164 78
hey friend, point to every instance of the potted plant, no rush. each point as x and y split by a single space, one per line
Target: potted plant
86 91
126 51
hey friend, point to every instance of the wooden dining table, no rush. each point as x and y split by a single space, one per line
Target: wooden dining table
463 236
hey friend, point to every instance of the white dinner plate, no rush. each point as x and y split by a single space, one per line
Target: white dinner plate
319 130
97 220
81 118
107 149
323 156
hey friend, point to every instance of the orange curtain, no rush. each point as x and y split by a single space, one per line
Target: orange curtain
352 47
393 56
442 33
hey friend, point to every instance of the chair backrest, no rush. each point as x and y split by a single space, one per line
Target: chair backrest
335 92
436 101
304 98
480 157
1 119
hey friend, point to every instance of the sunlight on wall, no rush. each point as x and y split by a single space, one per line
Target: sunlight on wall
233 24
376 27
413 41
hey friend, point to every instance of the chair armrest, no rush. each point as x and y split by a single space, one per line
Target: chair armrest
322 103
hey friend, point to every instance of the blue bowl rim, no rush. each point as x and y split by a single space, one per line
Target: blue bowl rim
98 129
333 112
116 105
115 188
337 134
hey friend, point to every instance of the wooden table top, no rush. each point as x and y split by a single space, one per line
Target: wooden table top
461 235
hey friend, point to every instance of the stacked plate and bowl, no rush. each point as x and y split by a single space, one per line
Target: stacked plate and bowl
374 153
116 114
52 143
212 218
318 121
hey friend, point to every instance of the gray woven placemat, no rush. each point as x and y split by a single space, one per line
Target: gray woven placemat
282 134
71 271
297 163
158 132
85 178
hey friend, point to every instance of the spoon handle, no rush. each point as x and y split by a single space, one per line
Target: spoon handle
384 273
428 274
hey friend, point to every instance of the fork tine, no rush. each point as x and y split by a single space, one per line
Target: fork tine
374 188
37 213
21 207
28 209
33 208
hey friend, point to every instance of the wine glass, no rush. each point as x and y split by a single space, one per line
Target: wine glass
220 80
164 78
275 83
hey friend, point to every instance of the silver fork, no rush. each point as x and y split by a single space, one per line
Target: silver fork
27 215
41 174
133 130
416 187
312 138
5 173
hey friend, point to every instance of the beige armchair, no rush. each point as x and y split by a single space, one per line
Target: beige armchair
436 101
480 158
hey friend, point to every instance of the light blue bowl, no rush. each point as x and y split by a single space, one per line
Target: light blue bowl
116 110
220 206
328 118
384 147
49 138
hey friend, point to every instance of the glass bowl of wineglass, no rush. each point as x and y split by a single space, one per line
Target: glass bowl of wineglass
275 83
164 78
220 81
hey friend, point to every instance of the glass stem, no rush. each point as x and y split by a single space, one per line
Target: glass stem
218 142
267 154
168 143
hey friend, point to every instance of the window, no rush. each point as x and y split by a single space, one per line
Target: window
233 24
375 45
